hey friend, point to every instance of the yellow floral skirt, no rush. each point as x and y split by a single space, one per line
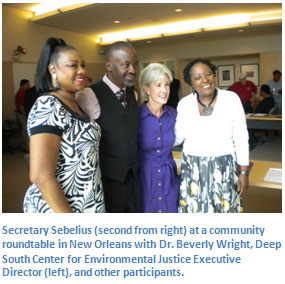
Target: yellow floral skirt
209 185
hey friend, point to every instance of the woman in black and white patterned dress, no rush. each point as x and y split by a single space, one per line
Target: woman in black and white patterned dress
64 143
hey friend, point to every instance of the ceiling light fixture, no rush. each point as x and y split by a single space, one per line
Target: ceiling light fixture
46 10
178 10
192 26
117 22
263 18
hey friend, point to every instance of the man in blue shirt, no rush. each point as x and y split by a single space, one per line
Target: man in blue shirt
276 89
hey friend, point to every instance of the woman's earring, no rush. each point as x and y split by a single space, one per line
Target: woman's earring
55 81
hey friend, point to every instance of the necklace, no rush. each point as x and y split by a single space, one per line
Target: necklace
207 109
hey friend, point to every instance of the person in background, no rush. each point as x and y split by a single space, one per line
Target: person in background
112 103
30 98
173 95
246 90
264 106
158 172
64 143
215 158
276 89
268 101
20 112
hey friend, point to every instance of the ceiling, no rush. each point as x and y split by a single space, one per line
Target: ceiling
97 19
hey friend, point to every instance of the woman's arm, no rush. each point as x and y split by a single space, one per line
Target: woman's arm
44 149
240 139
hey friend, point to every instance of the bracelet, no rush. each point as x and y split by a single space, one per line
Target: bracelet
244 173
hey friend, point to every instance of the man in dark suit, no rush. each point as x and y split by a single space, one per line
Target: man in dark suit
112 102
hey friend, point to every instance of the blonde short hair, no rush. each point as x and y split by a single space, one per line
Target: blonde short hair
154 72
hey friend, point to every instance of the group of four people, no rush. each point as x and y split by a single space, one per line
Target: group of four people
93 150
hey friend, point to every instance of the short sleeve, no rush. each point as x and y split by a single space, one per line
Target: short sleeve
89 103
47 116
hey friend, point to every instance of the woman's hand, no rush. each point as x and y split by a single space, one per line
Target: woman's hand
242 184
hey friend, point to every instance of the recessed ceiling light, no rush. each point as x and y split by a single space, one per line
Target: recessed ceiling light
178 10
116 22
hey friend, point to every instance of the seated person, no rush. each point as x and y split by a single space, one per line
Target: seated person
268 101
264 106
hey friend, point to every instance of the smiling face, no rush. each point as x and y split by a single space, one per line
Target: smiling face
203 79
158 92
70 69
122 67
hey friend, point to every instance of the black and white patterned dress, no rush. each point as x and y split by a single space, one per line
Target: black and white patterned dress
77 168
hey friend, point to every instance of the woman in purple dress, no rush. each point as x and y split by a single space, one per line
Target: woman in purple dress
158 172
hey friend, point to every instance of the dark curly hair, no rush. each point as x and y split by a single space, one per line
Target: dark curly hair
266 89
277 72
188 69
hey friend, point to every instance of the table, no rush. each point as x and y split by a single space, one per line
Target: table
267 122
259 170
257 173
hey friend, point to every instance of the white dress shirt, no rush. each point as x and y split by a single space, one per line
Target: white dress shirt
222 133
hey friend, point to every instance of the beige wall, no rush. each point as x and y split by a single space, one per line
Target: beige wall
8 97
96 70
214 46
270 61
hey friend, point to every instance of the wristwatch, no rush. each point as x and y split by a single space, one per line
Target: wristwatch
244 173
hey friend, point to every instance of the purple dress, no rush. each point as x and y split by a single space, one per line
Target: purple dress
158 172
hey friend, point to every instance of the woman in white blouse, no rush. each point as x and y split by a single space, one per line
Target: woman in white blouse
215 161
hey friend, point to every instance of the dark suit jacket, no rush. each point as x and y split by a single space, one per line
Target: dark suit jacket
119 126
